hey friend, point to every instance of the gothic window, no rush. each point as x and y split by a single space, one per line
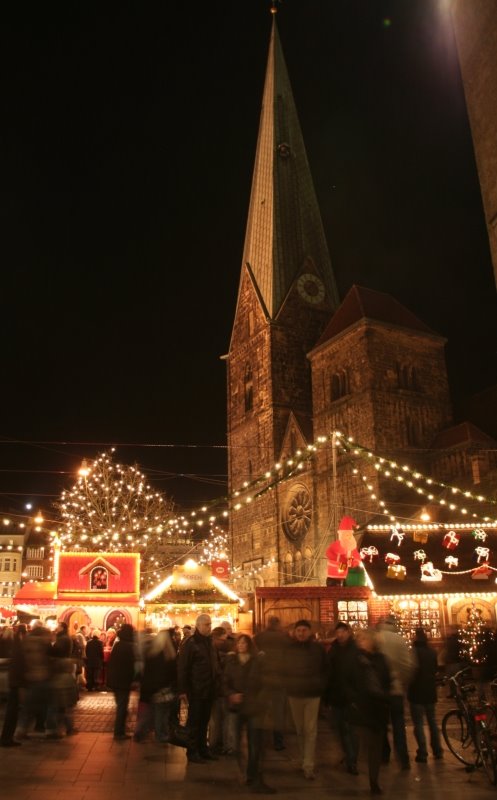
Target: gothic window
412 431
407 377
248 384
339 384
297 513
251 325
298 566
307 563
288 568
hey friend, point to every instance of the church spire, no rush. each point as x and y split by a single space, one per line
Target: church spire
284 235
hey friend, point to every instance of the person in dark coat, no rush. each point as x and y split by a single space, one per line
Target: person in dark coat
16 670
120 677
242 685
94 661
341 660
273 642
198 674
36 679
371 684
422 697
305 681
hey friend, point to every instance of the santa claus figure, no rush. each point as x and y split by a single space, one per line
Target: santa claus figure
343 553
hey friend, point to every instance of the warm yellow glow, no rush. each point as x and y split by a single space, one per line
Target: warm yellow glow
225 590
160 588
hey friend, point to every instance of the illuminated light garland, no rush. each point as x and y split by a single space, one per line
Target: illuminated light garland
282 470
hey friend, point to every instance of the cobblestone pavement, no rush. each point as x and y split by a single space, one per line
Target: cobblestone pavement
95 712
92 766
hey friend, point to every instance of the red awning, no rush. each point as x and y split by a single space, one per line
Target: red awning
35 593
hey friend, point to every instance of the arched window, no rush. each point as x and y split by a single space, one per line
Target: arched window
298 566
412 431
407 377
248 385
288 568
99 579
339 384
307 563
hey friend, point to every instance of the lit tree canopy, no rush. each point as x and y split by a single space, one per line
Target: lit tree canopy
112 508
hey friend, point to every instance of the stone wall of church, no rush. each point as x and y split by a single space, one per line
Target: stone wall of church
384 386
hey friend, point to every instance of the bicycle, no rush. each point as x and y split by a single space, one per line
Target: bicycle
470 729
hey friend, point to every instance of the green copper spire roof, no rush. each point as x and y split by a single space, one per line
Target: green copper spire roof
284 235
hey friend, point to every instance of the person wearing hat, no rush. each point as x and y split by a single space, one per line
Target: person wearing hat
305 681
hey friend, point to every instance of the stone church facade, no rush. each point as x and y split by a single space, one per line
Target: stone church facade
301 365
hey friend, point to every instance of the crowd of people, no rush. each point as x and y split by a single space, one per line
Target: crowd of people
235 688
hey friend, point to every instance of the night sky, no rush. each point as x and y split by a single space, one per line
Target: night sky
127 147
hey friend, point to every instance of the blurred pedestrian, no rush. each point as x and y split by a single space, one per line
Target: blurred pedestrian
63 689
371 682
273 642
422 696
36 680
157 688
242 681
120 676
341 659
305 681
400 662
15 673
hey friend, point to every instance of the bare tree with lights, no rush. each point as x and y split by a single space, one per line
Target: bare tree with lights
112 508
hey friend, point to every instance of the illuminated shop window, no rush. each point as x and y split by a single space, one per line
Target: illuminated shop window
99 579
355 612
422 613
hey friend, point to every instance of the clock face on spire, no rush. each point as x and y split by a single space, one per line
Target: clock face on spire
311 288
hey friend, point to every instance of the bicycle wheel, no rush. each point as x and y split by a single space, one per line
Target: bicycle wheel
458 738
487 754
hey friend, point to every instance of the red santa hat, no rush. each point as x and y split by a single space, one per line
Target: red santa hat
347 524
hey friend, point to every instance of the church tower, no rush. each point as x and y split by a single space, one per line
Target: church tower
286 295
